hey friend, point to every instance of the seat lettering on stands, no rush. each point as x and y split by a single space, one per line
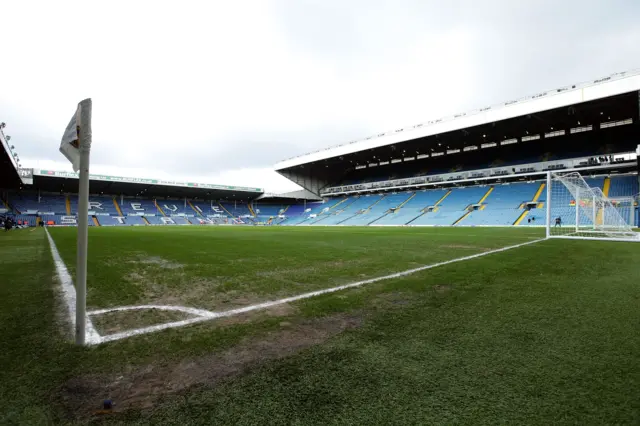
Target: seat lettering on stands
68 220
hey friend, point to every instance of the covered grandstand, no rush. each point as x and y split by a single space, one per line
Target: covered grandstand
34 195
485 167
30 196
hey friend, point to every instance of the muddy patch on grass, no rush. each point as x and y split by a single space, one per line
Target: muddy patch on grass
178 289
142 387
283 310
393 299
157 261
442 288
191 292
134 277
114 322
319 267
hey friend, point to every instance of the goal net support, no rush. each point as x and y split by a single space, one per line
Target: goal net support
575 210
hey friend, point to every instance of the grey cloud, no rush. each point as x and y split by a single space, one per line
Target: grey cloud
258 149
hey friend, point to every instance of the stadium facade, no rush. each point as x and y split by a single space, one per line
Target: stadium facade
482 167
485 167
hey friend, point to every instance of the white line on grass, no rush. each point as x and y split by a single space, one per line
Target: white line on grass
207 315
69 293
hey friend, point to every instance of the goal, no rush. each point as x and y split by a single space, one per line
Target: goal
575 210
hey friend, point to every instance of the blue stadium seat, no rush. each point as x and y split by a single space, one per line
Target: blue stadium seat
624 186
503 206
379 209
452 207
348 209
413 208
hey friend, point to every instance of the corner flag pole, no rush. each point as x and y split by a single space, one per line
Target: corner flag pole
84 138
76 146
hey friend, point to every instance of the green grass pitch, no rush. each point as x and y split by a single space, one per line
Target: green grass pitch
542 334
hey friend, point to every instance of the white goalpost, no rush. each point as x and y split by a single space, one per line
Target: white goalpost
574 210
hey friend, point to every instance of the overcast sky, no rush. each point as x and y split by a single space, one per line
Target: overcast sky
220 91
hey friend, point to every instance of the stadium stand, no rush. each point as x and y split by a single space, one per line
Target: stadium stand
134 206
500 204
51 204
136 220
414 207
623 186
237 209
26 220
298 209
379 208
209 209
159 220
462 170
504 205
315 211
350 208
269 210
453 208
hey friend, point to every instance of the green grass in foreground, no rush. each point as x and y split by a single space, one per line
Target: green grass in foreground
544 334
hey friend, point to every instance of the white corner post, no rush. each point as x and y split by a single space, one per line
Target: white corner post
84 148
548 204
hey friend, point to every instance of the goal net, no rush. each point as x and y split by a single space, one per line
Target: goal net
575 210
626 208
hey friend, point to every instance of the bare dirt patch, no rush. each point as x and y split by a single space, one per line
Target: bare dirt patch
197 292
141 387
178 289
283 310
442 288
114 322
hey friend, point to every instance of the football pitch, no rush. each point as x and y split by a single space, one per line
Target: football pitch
540 332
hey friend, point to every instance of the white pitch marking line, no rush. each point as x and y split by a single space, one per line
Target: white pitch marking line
213 315
69 292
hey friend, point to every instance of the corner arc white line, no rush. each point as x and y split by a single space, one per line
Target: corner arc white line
69 293
265 305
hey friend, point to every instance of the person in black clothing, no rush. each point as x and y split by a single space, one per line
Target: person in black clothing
558 222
